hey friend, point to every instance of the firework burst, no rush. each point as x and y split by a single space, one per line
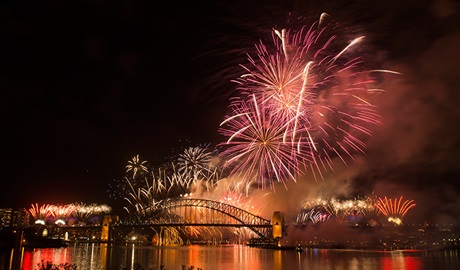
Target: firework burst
241 200
394 209
257 145
40 213
61 212
199 165
136 167
195 161
304 100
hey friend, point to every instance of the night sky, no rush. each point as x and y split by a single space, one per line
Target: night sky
87 85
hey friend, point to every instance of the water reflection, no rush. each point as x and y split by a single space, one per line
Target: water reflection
401 262
101 257
83 256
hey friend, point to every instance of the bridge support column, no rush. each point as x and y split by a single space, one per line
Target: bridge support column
106 234
277 224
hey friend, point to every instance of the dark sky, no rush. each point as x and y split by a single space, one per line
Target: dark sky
87 85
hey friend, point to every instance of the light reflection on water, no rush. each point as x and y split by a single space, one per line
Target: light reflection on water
237 257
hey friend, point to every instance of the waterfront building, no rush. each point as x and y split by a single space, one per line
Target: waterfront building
5 217
10 217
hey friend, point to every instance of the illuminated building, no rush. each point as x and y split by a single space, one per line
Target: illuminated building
5 217
14 217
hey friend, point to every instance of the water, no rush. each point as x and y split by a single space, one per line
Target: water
232 257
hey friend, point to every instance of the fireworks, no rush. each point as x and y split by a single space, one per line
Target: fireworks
304 100
394 209
197 168
258 147
40 214
313 215
60 214
235 198
135 165
347 211
195 161
199 165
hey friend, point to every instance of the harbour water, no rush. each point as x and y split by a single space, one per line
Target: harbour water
234 257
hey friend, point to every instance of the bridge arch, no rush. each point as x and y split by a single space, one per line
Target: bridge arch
186 211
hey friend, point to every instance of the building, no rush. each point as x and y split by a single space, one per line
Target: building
10 217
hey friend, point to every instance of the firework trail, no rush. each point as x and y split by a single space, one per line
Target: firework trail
83 212
343 211
241 200
305 99
169 182
137 171
141 198
61 212
394 209
313 215
99 208
316 217
199 165
369 209
302 218
40 214
143 188
195 169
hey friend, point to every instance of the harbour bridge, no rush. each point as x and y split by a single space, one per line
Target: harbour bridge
186 212
179 214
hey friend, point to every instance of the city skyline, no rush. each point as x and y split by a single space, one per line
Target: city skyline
85 94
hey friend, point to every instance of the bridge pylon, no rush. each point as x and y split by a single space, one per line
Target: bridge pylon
277 224
106 233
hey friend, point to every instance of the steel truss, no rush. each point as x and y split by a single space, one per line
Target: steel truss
198 212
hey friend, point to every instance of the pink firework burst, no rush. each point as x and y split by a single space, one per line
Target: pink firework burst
259 144
305 99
